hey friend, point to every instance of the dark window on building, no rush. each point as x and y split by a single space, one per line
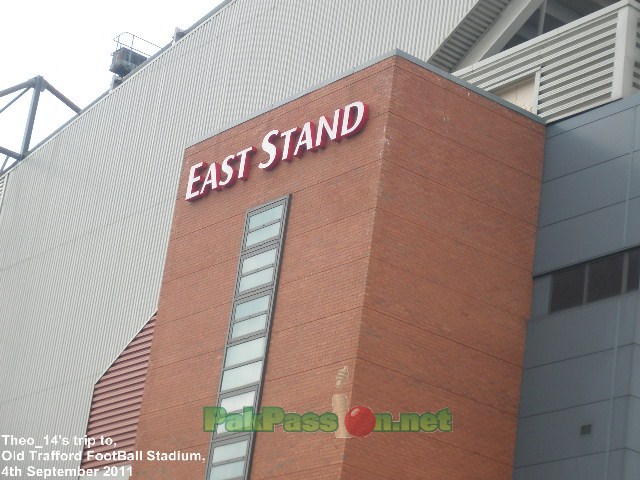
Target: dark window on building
595 280
634 270
605 278
568 288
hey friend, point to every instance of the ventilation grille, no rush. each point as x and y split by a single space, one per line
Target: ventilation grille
636 75
467 33
575 66
117 396
585 430
636 64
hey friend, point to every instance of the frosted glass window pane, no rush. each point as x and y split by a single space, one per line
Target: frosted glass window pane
229 451
246 327
254 280
237 402
252 307
263 234
236 377
267 216
244 352
221 428
258 261
230 470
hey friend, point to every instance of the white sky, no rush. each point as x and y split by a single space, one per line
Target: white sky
69 43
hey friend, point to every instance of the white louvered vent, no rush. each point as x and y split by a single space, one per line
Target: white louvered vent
467 33
575 64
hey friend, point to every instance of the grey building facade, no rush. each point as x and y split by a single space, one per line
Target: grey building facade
580 409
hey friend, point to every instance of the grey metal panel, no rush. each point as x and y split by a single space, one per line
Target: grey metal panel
580 238
627 425
568 124
634 187
580 380
626 365
86 217
589 208
587 190
552 447
590 194
630 465
586 467
556 435
581 331
589 145
623 464
540 297
566 384
633 223
636 100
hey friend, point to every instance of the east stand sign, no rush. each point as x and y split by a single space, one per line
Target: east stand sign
277 146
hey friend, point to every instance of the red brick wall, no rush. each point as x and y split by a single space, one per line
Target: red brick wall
449 280
407 258
320 294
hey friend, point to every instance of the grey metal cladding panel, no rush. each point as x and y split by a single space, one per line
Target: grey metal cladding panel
581 331
551 445
612 108
634 187
572 382
627 425
540 297
633 223
581 238
630 465
636 139
556 435
587 467
589 145
623 464
627 368
596 187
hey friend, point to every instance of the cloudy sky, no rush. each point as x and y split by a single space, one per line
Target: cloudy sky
69 43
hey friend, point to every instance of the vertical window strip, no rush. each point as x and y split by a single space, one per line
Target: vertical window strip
243 364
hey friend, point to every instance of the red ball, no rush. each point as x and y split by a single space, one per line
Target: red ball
360 421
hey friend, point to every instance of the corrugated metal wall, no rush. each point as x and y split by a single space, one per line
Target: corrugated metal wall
116 401
85 219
